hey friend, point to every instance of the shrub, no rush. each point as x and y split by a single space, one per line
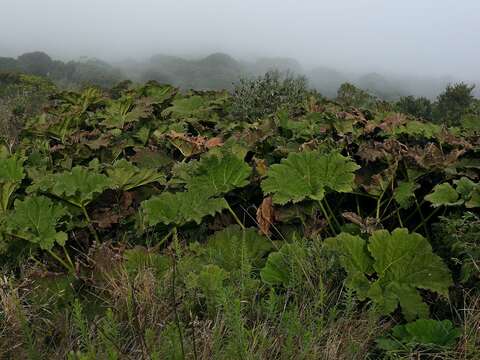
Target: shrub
256 98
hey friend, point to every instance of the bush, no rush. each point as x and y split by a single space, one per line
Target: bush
454 103
419 107
459 241
350 95
259 97
21 96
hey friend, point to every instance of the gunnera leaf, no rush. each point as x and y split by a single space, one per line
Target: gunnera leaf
78 186
444 195
404 194
124 111
126 176
213 176
307 175
216 175
11 175
190 107
355 259
402 262
158 94
180 208
466 192
210 284
36 219
422 332
282 265
469 191
232 247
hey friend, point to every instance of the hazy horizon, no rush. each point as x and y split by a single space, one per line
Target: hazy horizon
431 38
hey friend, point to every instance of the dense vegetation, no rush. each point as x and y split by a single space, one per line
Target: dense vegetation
219 71
270 223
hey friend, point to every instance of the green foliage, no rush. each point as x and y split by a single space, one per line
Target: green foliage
425 333
126 176
213 177
308 175
257 98
139 258
124 111
233 248
217 175
443 194
179 279
459 241
180 208
355 259
350 95
11 175
78 186
418 129
466 192
187 107
282 265
210 283
36 219
404 193
36 63
403 263
419 107
454 103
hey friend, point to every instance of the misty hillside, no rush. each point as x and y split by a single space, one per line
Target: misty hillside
217 71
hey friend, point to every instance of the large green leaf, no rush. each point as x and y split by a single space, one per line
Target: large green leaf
444 195
190 107
465 192
121 112
402 263
126 176
158 94
36 219
214 176
11 175
423 332
78 186
282 266
180 208
232 247
355 258
218 175
404 194
306 175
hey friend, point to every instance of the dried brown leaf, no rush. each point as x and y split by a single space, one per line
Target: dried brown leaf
265 216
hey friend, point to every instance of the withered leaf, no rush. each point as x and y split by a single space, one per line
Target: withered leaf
265 216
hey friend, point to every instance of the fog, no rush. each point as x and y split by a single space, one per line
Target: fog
435 38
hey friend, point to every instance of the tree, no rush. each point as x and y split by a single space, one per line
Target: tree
454 103
8 64
36 63
419 107
350 95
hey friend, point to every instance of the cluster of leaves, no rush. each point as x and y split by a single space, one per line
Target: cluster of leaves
401 263
235 208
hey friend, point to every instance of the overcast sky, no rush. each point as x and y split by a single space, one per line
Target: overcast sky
425 37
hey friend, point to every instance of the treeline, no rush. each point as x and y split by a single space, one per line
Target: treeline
218 71
451 104
454 105
64 74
